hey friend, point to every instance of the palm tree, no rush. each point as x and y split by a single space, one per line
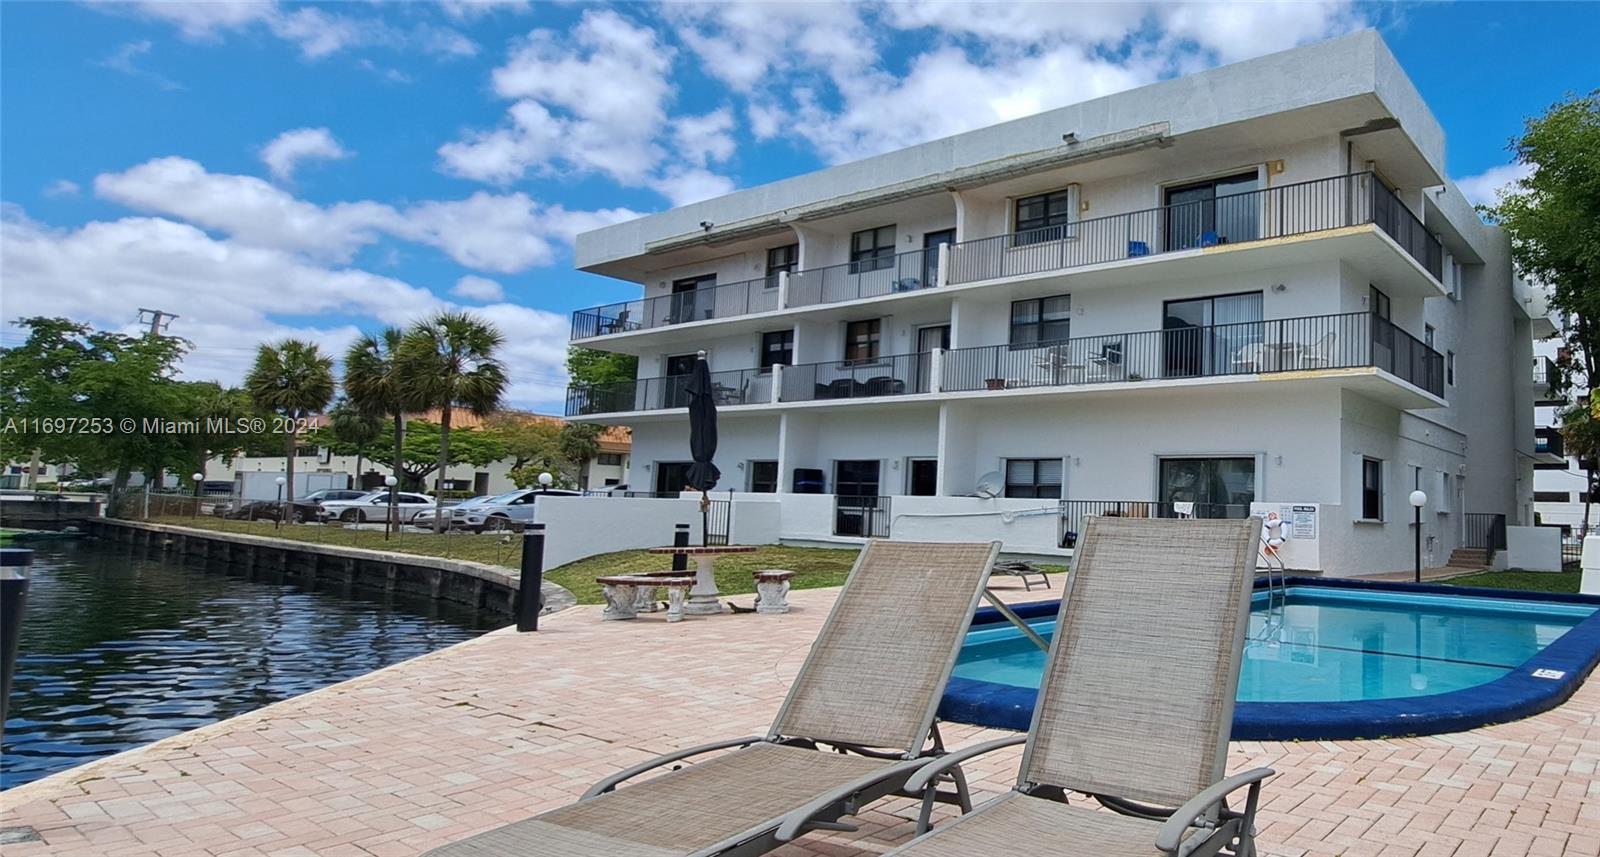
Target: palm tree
355 428
372 383
294 379
448 361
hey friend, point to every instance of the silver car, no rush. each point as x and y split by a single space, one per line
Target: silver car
511 510
424 518
374 506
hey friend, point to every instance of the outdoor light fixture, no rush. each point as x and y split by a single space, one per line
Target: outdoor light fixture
706 225
1069 137
1418 500
278 521
544 481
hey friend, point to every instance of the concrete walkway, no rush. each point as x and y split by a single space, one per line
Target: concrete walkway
502 727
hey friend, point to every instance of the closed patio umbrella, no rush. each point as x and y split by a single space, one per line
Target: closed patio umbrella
703 474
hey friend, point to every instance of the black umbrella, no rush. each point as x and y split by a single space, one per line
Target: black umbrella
703 475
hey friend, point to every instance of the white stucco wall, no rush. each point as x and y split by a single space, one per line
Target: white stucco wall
579 527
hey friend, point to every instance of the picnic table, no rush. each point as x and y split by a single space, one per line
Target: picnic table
703 597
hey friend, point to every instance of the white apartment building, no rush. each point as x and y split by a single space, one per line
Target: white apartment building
1559 481
1250 288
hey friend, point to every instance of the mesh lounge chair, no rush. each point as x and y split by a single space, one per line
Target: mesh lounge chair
868 688
1135 706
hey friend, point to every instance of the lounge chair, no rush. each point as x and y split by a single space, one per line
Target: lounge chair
868 689
1135 706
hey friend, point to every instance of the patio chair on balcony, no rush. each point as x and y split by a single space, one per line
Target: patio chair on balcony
1318 355
883 385
1135 706
1138 248
867 691
1107 365
618 324
1251 357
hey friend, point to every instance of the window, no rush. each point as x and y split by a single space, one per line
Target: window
872 249
1043 217
861 340
1041 320
1552 497
1213 212
777 346
764 477
1427 335
1033 477
1207 487
1371 489
781 260
1379 303
1450 368
609 459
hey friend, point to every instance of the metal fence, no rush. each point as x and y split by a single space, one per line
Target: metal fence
892 375
720 301
867 517
903 272
731 387
1278 345
1074 513
1485 531
1293 209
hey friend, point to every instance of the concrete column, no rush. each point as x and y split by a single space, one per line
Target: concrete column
942 278
936 371
777 381
783 289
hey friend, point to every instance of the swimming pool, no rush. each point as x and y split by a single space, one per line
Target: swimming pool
1342 659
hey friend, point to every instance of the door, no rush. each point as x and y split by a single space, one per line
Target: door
1216 211
1208 487
930 254
675 386
923 479
686 300
1204 336
929 338
671 476
855 486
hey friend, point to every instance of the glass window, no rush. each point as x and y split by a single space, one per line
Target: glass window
1427 335
1212 212
1380 304
872 249
1043 217
1033 477
781 260
609 459
1450 368
1041 320
861 339
1552 497
764 477
777 346
1208 487
1371 489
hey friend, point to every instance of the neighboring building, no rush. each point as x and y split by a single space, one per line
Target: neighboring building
1253 285
1560 484
608 468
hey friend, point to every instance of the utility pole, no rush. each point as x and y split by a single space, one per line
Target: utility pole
157 319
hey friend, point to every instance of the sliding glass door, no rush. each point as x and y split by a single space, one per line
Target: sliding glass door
1203 335
1208 487
1216 211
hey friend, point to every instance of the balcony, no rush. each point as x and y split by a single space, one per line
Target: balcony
1256 218
1331 344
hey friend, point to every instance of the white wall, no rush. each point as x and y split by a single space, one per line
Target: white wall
1533 548
579 527
1025 526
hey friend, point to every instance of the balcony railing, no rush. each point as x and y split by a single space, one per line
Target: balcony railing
725 300
1276 212
733 387
869 278
861 516
1247 348
893 375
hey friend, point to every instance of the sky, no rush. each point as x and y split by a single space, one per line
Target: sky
270 169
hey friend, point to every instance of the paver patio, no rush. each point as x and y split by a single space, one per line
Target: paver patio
507 725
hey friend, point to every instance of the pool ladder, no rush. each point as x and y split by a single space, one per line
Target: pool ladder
1272 623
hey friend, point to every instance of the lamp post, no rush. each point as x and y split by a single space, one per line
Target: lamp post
388 520
197 477
545 481
1418 500
278 521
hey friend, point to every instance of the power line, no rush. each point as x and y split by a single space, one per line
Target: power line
157 319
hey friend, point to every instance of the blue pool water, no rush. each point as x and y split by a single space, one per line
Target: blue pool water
1323 644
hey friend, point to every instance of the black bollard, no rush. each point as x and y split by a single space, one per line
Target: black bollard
530 589
14 565
680 539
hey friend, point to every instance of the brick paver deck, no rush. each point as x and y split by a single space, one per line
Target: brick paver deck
507 725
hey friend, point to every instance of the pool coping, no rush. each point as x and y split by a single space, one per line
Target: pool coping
1514 696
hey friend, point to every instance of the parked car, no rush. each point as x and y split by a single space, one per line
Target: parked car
511 510
268 510
374 506
324 495
424 518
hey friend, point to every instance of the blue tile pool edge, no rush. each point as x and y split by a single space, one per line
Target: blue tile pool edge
1511 697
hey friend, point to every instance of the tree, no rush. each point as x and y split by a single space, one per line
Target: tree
1553 218
293 379
373 384
530 440
588 367
467 446
579 443
449 361
352 428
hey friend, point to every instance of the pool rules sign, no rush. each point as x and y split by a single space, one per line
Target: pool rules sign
1302 547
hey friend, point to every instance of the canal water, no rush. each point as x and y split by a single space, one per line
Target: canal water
122 646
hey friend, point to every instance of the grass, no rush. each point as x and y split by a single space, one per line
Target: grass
813 567
1526 581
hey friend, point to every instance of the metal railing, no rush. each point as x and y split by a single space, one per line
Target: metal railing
1074 512
724 300
911 271
1246 348
867 517
732 387
1485 531
1293 209
893 375
1548 440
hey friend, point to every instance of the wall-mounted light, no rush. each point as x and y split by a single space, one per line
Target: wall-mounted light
1278 460
1280 288
895 464
647 466
741 465
706 225
1083 205
1069 137
1275 168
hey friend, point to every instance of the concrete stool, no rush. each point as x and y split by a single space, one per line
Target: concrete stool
772 590
622 594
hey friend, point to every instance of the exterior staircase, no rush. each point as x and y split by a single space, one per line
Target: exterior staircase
1468 558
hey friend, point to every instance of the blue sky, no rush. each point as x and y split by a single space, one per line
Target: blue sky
270 169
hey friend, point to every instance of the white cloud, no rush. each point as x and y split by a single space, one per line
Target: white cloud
125 60
473 9
315 31
61 187
704 139
683 186
1484 188
289 149
743 44
474 288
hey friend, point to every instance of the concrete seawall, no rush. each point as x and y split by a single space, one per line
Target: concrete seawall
474 584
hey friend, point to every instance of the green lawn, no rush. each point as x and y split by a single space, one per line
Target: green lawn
1527 581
